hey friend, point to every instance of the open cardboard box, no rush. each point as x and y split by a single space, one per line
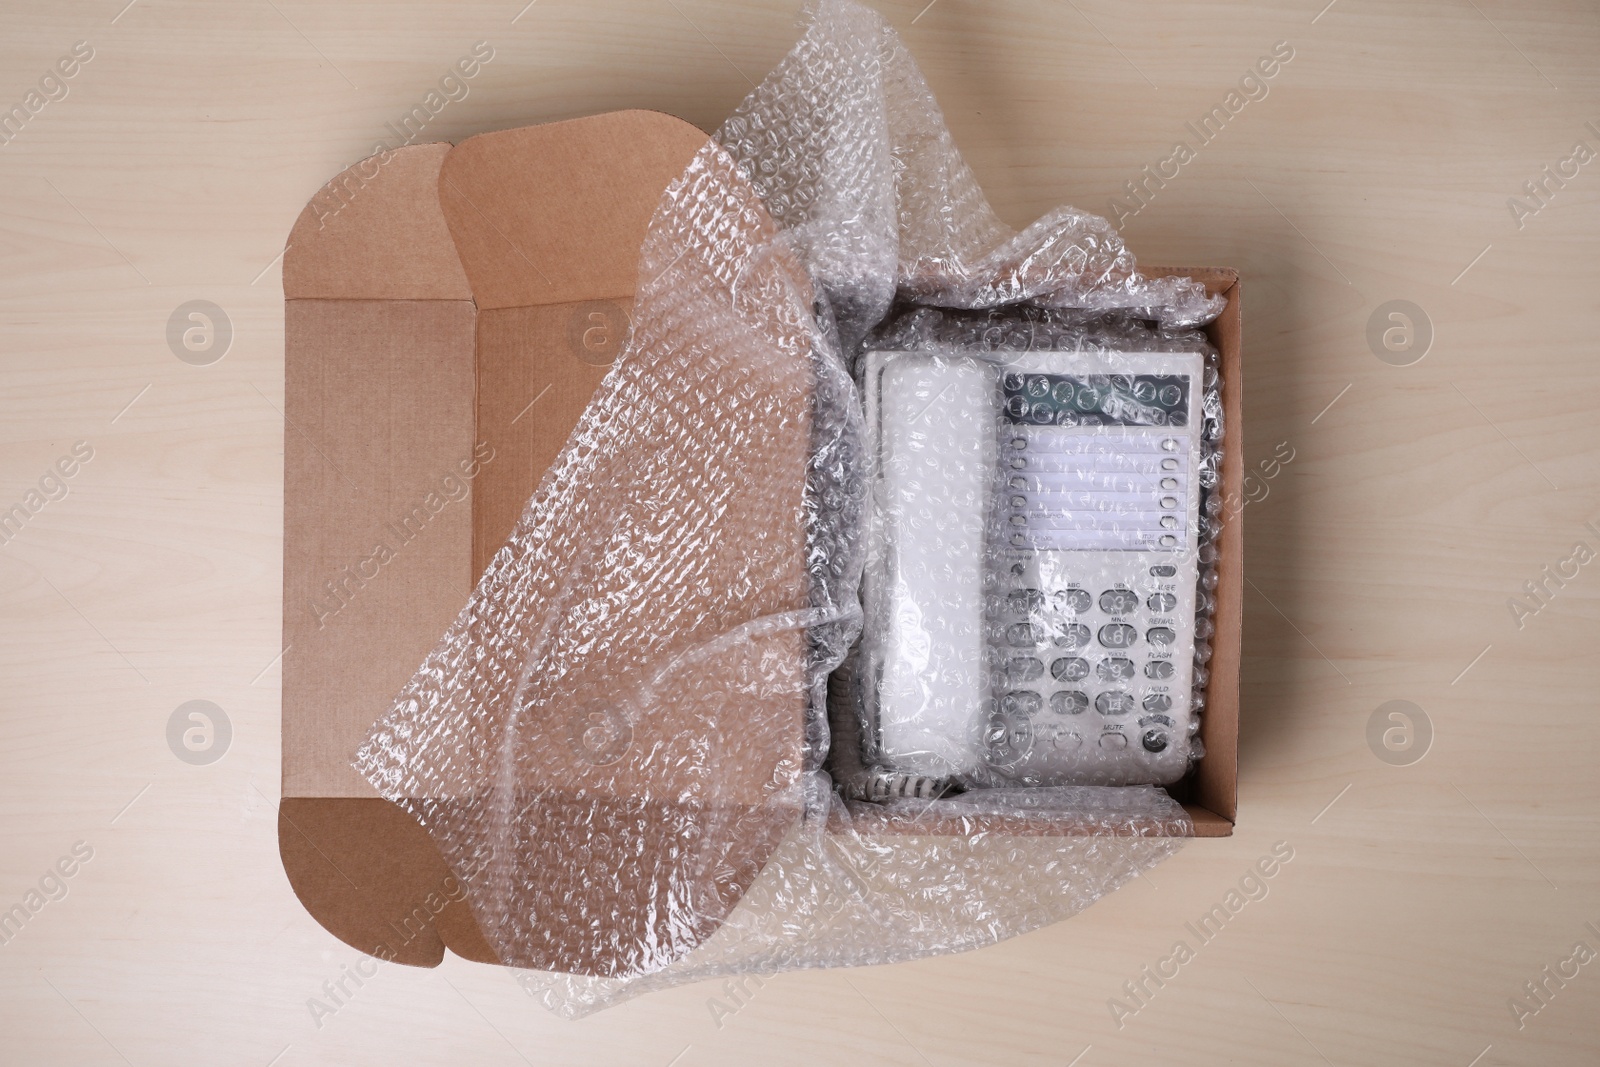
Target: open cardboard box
449 313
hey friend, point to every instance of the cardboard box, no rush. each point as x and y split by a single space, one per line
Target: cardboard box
449 312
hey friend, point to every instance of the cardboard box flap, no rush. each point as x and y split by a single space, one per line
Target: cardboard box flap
379 336
556 213
375 233
606 842
549 221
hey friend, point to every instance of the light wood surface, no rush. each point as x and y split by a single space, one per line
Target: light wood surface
1421 498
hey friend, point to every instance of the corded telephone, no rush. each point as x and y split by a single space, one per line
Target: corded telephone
1032 574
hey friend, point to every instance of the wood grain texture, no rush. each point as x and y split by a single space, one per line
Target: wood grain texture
1377 167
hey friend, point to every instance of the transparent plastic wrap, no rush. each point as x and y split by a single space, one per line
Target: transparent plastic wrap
622 745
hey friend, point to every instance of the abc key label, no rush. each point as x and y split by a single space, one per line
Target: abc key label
1399 733
199 732
1399 333
199 333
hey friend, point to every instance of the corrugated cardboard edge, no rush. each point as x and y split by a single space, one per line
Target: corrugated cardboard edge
1215 798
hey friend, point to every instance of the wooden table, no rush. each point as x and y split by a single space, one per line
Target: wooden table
1381 163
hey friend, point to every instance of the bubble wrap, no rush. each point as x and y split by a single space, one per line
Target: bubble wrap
622 744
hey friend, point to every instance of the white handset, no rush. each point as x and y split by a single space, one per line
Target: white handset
932 435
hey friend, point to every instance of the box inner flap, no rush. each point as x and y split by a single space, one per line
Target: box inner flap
378 398
375 232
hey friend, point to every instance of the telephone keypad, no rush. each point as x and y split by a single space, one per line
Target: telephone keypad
1063 614
1100 475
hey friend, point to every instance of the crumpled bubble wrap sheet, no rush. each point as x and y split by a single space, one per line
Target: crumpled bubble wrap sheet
623 735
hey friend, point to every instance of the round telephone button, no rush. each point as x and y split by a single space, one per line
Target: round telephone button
1119 635
1114 670
1069 669
1068 702
1155 740
1026 634
1158 702
1024 601
1159 602
1024 669
1165 570
1113 703
1160 635
1074 635
1158 669
1169 483
1118 601
1113 741
1074 600
1021 702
